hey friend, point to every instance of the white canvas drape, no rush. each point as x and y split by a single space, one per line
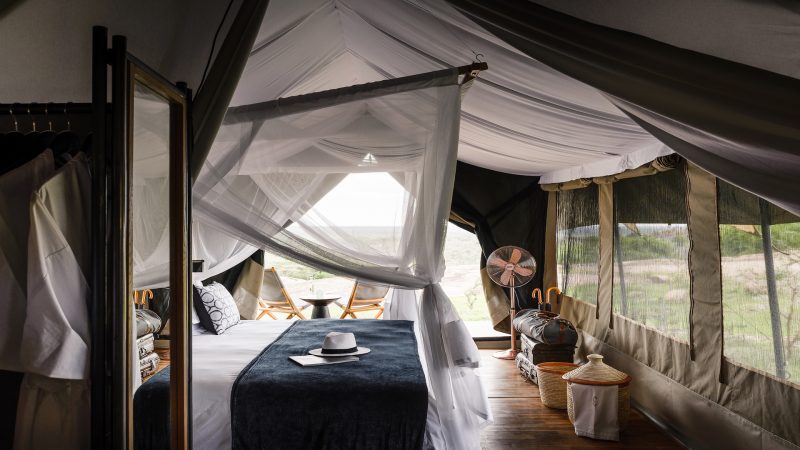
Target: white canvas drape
272 161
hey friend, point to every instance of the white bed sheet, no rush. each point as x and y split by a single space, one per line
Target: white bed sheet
216 362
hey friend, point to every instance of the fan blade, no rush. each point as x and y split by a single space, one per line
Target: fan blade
497 262
515 256
505 278
524 271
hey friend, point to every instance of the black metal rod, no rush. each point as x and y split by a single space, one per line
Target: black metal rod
51 109
772 290
117 295
100 385
189 133
332 97
474 66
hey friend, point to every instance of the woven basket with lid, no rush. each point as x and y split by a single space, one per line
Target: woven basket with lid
598 373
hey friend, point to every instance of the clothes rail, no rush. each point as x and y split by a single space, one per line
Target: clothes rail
56 109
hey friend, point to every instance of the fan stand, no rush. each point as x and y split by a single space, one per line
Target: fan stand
511 353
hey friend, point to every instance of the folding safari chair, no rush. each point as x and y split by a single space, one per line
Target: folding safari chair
275 299
365 297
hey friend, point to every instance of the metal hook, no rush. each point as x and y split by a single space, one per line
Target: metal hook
13 118
33 121
47 118
478 57
69 124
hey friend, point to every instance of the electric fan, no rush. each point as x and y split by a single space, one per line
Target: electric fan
510 267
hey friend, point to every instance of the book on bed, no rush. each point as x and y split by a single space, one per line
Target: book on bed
311 360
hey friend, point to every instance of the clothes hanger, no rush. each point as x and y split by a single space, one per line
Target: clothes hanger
65 143
87 145
32 144
46 136
12 154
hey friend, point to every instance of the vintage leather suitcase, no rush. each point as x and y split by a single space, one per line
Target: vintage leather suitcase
533 353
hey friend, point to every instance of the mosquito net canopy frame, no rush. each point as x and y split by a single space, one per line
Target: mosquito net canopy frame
270 164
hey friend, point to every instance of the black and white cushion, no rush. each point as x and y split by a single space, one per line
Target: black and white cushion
215 307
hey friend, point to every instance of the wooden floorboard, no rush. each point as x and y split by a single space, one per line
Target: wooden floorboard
522 422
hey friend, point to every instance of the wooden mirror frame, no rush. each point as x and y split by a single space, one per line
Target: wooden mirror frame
178 99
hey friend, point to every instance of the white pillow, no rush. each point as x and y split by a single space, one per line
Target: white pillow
216 308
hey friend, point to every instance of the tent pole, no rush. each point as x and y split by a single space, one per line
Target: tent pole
772 290
100 350
618 256
476 66
471 71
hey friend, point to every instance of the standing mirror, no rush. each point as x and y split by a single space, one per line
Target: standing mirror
157 307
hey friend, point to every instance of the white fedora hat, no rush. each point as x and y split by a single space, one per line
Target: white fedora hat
339 344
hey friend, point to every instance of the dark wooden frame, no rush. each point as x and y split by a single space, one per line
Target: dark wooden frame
177 97
111 311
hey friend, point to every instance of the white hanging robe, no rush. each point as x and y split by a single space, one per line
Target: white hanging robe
16 188
54 398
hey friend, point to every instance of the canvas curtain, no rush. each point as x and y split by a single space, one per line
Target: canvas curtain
211 102
735 121
270 158
502 209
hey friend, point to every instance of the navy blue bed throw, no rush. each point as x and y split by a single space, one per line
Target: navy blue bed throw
378 402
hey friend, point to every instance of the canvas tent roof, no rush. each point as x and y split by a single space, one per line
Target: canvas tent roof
520 117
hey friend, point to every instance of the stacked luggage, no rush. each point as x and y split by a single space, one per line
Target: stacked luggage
147 323
545 337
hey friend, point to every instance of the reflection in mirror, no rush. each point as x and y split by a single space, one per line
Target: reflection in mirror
150 254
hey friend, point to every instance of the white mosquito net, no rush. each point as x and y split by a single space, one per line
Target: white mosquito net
271 164
150 204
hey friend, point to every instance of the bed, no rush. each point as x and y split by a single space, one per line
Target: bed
247 394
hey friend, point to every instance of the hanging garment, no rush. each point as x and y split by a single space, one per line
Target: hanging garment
15 191
56 334
54 399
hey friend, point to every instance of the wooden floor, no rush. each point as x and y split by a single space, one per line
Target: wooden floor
522 422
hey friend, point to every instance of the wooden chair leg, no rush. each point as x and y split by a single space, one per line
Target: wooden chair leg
380 313
263 313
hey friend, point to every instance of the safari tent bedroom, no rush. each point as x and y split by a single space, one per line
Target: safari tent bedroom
399 224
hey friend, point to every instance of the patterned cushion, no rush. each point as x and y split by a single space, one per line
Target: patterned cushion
215 307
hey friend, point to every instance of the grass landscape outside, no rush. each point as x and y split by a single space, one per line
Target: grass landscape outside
461 281
657 287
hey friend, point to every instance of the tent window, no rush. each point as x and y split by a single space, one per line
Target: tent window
578 238
462 281
760 246
651 248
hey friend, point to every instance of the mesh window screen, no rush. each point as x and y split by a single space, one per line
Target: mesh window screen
578 238
651 248
760 283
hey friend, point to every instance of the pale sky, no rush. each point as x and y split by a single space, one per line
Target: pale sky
364 199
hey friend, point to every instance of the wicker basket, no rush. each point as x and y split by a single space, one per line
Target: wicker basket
597 373
552 388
